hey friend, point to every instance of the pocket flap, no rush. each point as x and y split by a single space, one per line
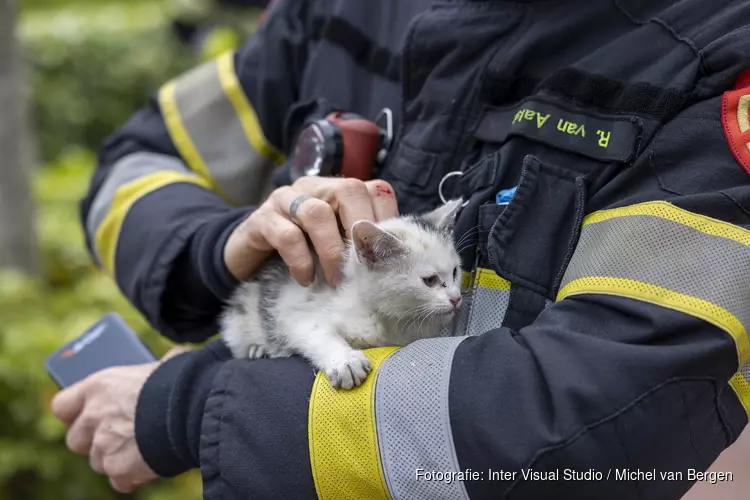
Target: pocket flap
533 239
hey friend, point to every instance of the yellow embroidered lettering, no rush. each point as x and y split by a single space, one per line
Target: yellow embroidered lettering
541 120
581 131
529 114
603 138
518 117
561 125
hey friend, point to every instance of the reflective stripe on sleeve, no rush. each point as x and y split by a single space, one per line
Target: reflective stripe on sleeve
664 255
413 421
131 178
216 130
343 439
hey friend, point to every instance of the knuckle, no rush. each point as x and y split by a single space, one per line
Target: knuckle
352 187
88 421
318 212
381 190
303 182
57 407
76 444
96 464
121 485
300 262
280 193
380 185
112 467
289 237
331 252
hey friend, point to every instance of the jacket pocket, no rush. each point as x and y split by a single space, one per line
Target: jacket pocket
533 238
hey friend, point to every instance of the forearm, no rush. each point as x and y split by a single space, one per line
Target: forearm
199 281
181 421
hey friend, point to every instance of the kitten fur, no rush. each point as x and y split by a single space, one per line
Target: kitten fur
400 282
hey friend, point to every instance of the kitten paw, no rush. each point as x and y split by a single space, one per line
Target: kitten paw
256 352
350 371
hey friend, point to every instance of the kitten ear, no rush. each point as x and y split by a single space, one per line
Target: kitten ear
444 217
373 244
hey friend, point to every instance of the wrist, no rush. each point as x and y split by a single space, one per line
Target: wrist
169 413
152 421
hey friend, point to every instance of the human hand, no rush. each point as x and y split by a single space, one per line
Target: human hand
331 200
100 414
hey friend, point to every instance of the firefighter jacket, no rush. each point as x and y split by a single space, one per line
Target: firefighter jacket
605 332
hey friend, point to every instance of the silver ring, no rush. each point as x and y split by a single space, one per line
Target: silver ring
294 206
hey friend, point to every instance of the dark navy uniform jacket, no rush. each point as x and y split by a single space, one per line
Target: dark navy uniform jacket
608 303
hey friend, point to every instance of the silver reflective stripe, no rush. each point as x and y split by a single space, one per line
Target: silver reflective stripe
213 124
486 304
745 371
488 310
413 420
124 171
667 254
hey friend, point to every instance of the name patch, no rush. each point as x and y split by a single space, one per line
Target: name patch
602 137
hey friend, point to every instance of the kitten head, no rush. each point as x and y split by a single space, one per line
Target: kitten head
408 267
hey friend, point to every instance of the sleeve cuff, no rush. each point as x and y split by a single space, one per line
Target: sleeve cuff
169 414
199 282
151 422
218 278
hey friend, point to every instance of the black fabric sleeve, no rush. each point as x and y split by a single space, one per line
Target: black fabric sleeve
170 409
200 282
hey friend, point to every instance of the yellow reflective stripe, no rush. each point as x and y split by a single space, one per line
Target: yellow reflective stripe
668 211
466 280
108 231
248 118
741 387
488 278
343 438
646 292
180 137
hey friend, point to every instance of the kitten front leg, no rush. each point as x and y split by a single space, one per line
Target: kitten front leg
327 351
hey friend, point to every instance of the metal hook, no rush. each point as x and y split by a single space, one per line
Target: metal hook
442 184
388 115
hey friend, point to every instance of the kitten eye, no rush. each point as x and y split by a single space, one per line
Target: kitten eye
431 280
455 273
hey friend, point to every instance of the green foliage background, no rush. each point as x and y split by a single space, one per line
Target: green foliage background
85 79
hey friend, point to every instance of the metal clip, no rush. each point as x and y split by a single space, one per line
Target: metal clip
455 173
388 139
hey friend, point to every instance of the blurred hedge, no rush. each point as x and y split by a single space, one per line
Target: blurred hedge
84 83
85 87
38 315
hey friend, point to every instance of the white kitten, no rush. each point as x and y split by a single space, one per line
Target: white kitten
400 283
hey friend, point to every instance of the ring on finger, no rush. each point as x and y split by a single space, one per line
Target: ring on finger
294 207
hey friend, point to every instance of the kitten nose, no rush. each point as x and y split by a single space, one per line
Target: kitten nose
455 301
